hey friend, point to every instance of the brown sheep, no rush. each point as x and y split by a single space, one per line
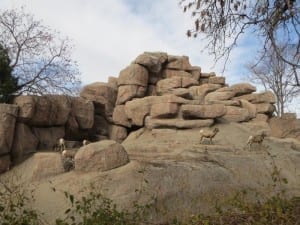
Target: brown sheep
208 134
256 139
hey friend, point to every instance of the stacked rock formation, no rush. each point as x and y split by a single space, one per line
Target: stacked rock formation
162 91
37 122
156 90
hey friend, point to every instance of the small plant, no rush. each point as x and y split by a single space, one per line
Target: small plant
14 207
95 209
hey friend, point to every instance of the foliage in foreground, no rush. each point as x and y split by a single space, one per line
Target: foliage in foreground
95 209
276 211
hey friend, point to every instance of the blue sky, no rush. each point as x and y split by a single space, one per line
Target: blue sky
110 34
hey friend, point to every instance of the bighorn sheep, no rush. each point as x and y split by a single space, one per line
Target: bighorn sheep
256 139
59 145
208 134
85 142
68 153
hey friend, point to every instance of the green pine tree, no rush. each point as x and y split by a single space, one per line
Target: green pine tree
8 83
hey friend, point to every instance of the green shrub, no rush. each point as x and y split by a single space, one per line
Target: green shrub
95 209
14 208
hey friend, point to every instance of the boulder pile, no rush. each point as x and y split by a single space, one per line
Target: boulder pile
156 90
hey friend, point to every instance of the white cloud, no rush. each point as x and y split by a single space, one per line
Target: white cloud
109 34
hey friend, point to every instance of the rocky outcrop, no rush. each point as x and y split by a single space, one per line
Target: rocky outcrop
36 123
156 90
48 110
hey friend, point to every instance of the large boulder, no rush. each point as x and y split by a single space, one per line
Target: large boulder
102 95
8 117
133 74
100 156
47 137
203 111
24 142
153 61
128 92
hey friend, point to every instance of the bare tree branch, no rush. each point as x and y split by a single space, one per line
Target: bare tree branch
223 22
275 74
40 59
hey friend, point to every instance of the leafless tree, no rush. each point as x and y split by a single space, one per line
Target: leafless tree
275 74
40 59
223 22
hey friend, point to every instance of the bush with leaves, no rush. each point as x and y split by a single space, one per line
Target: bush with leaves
14 207
95 209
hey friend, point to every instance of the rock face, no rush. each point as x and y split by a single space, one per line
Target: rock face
203 111
102 95
48 136
100 156
153 113
46 165
156 90
8 116
185 177
48 110
25 142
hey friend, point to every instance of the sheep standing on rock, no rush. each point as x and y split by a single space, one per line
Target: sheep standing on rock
68 159
256 139
208 134
85 142
60 145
